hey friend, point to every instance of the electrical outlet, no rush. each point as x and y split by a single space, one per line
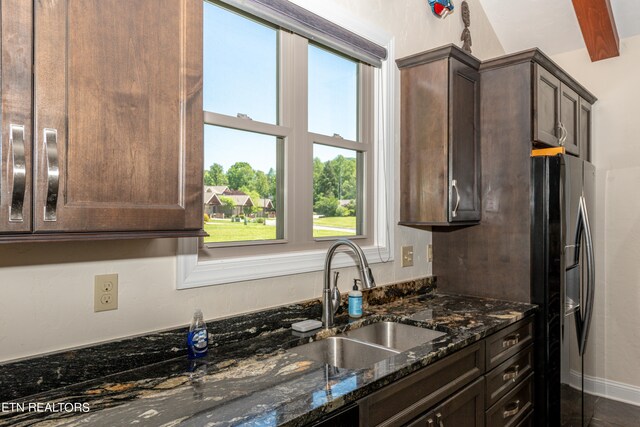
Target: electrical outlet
430 252
105 294
407 256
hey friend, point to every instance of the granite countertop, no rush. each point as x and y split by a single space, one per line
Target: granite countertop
250 379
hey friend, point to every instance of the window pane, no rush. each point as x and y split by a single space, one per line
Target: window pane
240 184
333 94
240 65
335 191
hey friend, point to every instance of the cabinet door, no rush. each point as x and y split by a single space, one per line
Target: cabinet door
546 107
584 125
118 115
15 115
464 143
465 408
569 108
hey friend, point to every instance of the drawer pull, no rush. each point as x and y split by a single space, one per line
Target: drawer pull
430 423
439 420
511 409
510 340
511 373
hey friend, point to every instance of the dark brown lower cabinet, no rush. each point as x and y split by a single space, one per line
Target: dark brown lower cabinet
465 408
415 395
513 408
487 383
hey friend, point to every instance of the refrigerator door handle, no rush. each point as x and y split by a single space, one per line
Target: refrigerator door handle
591 272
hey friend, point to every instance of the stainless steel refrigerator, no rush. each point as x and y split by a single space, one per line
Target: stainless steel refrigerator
563 285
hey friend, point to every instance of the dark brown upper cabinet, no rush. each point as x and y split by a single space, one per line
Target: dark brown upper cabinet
556 108
584 135
117 132
440 164
16 30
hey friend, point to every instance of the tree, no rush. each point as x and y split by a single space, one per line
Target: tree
215 175
261 184
255 199
273 185
351 208
227 205
326 206
318 167
327 182
346 180
239 175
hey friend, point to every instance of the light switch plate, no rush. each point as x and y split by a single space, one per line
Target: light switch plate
407 256
105 293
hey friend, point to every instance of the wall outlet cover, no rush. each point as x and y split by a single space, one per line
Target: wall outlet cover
407 256
105 293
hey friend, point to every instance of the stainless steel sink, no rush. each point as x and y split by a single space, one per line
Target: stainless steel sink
363 347
394 335
343 352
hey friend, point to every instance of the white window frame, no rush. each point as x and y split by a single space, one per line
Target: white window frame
192 272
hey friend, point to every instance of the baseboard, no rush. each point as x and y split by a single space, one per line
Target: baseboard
607 388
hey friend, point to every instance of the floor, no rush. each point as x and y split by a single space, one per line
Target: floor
611 413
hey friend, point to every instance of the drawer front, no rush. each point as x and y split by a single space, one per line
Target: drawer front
513 408
400 402
508 374
527 422
465 409
507 342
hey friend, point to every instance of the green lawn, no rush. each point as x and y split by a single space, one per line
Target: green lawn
337 221
331 233
227 231
223 230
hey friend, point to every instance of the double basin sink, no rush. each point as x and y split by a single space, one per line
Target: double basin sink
365 346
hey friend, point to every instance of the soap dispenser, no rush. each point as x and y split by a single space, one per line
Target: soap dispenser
355 301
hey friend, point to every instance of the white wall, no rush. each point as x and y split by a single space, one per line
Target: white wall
614 339
46 302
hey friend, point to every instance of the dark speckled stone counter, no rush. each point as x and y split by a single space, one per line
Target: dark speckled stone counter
249 378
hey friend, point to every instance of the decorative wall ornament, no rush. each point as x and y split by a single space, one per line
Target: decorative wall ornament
466 20
441 8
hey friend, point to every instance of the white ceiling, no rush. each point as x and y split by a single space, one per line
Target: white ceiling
550 24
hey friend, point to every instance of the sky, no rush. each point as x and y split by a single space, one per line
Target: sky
240 76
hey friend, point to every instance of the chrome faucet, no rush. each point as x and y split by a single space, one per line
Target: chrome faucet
331 297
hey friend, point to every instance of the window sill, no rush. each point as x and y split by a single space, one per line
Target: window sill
194 274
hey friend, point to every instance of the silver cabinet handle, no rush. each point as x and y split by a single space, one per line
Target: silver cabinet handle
563 134
510 340
511 373
559 130
439 420
19 167
454 186
53 174
430 423
563 138
511 409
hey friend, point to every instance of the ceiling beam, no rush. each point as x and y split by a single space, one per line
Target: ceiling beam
598 28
